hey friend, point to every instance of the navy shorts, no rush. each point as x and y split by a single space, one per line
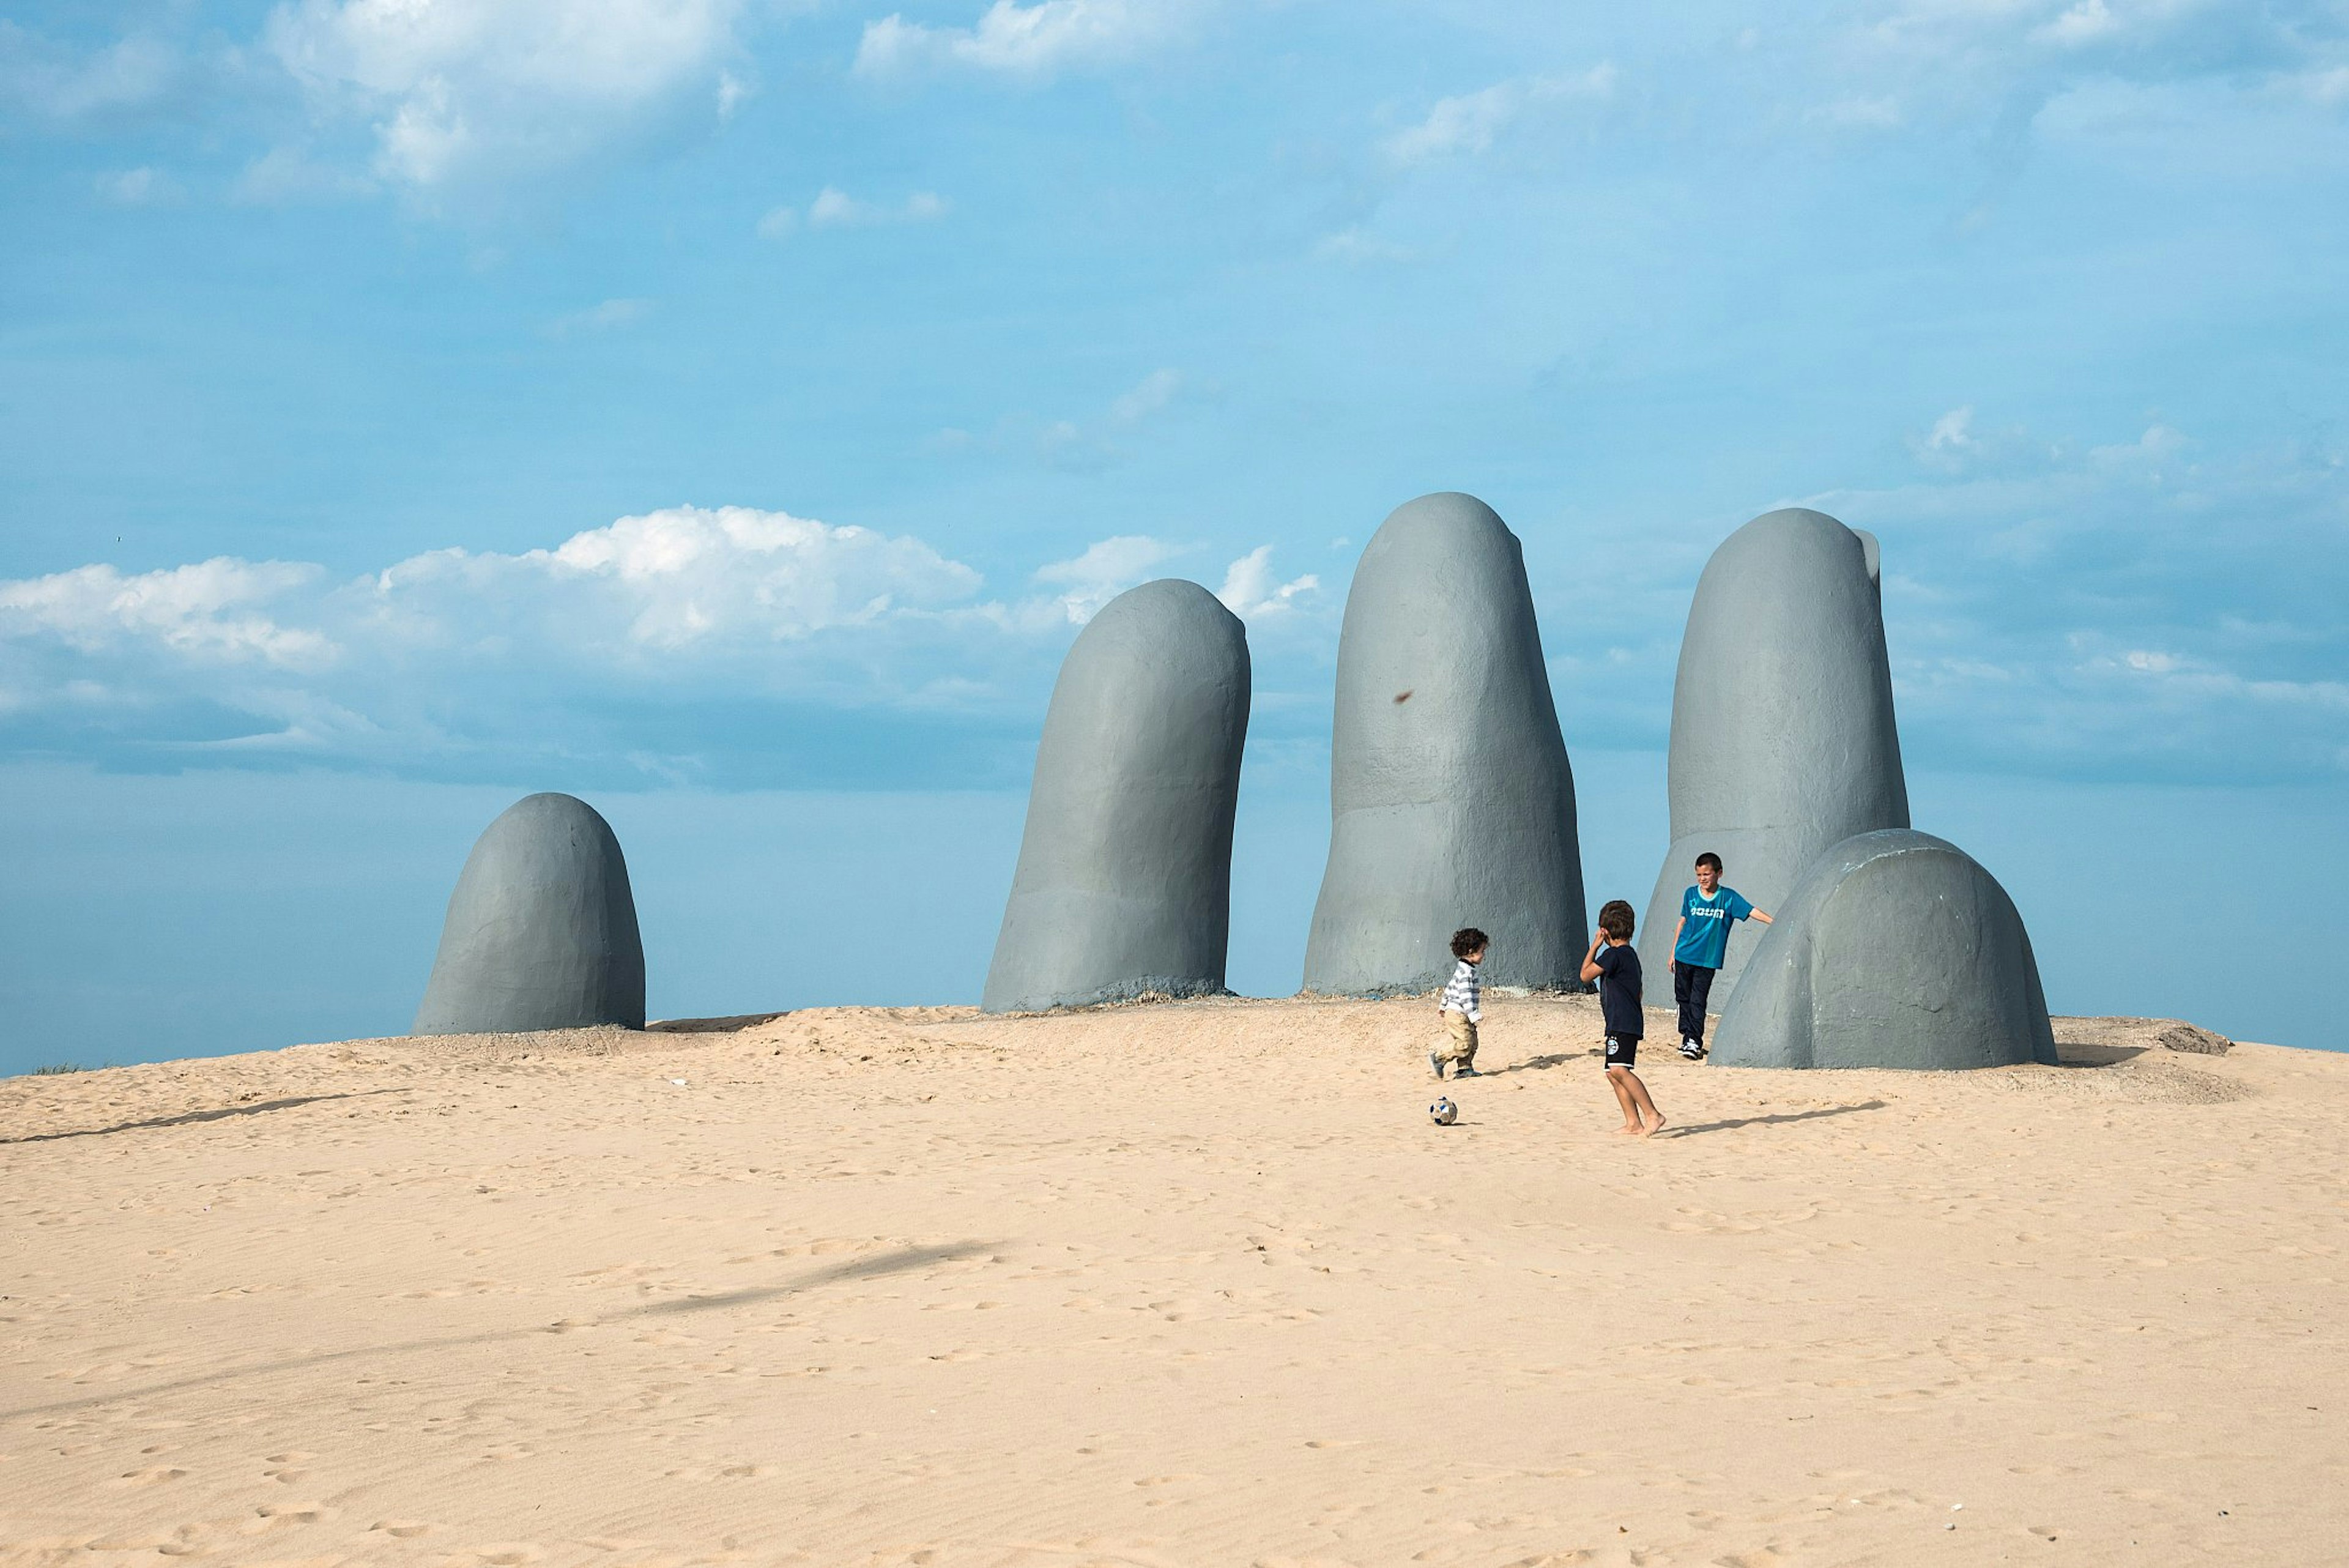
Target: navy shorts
1621 1052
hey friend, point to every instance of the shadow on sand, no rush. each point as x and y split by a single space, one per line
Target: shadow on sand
891 1262
188 1117
1776 1118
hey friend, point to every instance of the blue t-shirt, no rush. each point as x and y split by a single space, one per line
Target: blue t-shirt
1704 927
1618 989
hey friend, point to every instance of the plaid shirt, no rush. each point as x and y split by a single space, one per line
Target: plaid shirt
1464 992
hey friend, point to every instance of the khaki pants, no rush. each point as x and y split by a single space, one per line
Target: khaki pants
1461 1046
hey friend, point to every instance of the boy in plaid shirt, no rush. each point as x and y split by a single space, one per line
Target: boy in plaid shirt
1462 1007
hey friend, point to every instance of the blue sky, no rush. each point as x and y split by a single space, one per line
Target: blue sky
405 404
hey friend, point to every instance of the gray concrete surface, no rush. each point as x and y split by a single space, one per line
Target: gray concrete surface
1783 735
1895 950
1124 879
1451 800
542 929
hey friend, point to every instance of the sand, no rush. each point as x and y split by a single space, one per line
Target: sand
1190 1283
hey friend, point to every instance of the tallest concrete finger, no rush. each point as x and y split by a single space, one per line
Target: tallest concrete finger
1784 742
1451 800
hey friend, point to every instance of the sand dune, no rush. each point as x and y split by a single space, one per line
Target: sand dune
1175 1285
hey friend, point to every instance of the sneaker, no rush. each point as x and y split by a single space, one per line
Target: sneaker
1435 1063
1691 1050
1465 1071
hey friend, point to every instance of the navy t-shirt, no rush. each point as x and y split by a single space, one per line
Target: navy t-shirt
1618 989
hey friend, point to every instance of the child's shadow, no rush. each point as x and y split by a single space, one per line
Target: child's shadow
1543 1063
1778 1119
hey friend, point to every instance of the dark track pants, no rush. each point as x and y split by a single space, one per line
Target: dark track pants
1691 987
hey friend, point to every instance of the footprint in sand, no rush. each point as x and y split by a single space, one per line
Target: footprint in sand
150 1476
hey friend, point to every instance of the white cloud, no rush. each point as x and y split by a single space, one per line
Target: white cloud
463 88
1104 571
729 577
836 209
1468 123
667 624
211 611
1024 41
1249 592
448 651
1954 445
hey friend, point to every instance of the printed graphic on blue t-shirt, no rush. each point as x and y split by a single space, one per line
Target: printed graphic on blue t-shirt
1618 989
1704 927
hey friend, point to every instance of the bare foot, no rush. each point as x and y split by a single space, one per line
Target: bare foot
1652 1128
1630 1130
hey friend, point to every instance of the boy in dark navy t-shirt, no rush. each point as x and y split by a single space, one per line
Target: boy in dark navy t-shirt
1615 965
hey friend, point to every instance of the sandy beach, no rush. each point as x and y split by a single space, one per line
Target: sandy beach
1190 1283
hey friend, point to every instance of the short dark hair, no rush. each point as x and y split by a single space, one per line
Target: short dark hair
1467 939
1709 859
1615 919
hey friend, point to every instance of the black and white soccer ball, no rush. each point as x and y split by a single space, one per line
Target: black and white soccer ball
1444 1112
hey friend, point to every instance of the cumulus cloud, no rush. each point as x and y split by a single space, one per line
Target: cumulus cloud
717 580
457 651
1468 123
455 89
1105 570
211 612
1250 593
1029 42
646 638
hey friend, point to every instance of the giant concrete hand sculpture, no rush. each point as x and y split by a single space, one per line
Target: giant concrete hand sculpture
1895 950
542 929
1783 735
1451 800
1124 881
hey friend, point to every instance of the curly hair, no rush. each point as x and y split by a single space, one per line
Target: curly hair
1465 941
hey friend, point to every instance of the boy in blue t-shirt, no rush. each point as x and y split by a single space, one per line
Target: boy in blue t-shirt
1700 946
1615 965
